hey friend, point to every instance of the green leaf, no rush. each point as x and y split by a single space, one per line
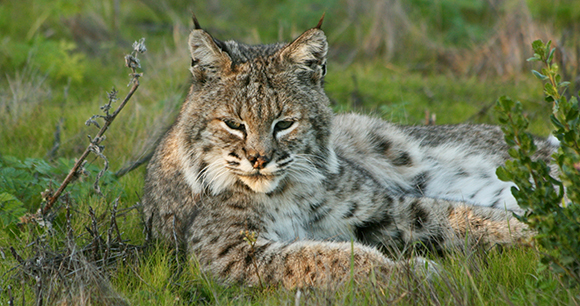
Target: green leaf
556 122
551 56
539 75
563 84
547 49
11 209
538 46
550 90
503 174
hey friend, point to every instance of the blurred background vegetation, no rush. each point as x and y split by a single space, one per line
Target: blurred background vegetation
398 59
406 61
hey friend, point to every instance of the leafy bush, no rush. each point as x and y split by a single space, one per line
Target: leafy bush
552 204
23 181
54 58
40 41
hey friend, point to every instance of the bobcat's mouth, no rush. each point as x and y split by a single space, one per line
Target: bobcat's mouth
257 175
260 182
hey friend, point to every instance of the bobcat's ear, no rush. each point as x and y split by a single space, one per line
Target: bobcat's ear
309 50
208 57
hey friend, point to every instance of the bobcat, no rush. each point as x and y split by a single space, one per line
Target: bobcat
256 149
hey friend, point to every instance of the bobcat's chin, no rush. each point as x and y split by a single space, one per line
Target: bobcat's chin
261 183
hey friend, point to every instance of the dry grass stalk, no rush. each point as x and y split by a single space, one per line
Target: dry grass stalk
26 90
505 53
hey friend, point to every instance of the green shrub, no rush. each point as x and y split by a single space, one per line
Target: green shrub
23 181
56 59
552 204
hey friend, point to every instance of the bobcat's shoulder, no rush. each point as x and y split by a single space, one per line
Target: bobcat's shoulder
256 149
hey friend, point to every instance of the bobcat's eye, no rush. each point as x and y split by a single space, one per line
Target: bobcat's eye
282 125
234 125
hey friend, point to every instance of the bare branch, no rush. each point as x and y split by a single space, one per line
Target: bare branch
16 256
134 164
98 150
132 62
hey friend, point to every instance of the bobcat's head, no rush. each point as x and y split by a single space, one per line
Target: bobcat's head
256 116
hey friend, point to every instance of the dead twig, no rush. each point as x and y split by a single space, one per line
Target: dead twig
10 296
38 291
134 165
94 231
430 118
56 145
98 150
482 111
251 239
112 227
69 229
133 63
147 229
16 256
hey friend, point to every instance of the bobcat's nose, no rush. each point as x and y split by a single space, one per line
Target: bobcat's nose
258 161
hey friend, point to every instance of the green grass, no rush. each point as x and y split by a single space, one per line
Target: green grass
403 96
156 276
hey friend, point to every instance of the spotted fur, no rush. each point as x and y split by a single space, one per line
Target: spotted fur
256 148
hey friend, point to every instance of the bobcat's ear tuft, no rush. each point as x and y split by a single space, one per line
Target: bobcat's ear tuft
196 23
319 25
308 49
208 59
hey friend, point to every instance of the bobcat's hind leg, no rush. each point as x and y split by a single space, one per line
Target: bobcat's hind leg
441 225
